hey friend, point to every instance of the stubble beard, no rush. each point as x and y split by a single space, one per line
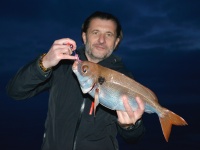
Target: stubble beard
93 57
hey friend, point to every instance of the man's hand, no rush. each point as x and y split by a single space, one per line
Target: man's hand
129 117
61 49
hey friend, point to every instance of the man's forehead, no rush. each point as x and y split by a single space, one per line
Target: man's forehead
102 23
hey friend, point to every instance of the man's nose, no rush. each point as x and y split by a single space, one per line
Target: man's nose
102 38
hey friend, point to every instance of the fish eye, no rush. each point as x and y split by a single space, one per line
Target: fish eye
84 69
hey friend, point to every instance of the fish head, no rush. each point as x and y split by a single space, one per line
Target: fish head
86 73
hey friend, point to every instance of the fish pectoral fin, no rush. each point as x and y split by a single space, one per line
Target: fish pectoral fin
95 103
96 99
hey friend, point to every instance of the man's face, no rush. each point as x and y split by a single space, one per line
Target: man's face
100 39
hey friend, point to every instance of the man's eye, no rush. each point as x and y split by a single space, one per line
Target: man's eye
109 34
95 33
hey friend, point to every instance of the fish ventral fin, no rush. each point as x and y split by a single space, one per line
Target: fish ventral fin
167 120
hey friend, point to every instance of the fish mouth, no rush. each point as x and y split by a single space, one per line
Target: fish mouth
86 83
75 65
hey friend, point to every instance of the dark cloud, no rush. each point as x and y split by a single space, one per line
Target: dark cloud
183 13
164 25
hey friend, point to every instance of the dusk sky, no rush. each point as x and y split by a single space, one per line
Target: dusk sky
161 47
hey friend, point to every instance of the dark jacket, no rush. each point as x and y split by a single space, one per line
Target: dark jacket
68 125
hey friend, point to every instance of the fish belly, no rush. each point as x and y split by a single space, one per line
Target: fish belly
110 96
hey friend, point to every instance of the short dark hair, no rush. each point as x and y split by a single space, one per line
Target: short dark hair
106 16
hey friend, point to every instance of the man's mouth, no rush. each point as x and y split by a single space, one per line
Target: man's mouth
101 47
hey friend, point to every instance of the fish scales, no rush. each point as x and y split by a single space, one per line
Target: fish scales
108 86
128 86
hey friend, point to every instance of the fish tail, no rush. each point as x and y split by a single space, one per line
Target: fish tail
167 119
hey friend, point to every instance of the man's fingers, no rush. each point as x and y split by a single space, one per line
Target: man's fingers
66 41
140 103
60 51
119 114
127 107
123 117
69 57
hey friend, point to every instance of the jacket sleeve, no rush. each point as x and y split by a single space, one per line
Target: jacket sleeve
132 134
29 81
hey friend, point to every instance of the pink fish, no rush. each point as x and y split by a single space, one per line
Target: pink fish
107 87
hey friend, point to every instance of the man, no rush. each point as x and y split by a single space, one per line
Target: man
68 124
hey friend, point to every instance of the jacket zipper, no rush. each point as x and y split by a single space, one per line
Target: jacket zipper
78 124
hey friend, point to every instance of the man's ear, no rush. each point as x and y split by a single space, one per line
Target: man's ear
117 42
84 37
